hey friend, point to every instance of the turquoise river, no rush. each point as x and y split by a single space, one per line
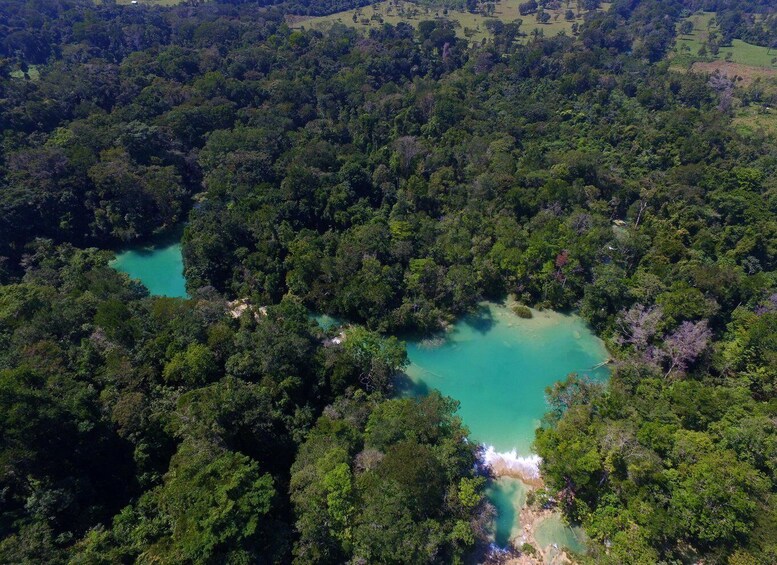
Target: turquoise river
494 363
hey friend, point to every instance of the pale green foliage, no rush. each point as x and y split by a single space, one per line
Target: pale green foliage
215 503
194 366
337 484
378 358
462 532
715 498
470 491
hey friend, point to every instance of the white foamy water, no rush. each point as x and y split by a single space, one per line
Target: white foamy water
510 463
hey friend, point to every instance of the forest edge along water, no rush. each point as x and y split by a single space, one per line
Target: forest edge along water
517 358
495 363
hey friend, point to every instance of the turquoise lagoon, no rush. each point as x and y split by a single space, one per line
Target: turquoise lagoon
552 534
498 365
159 268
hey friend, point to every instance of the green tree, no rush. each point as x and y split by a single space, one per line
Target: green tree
216 503
716 498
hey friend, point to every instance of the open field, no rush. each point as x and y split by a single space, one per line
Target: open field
687 47
150 2
741 61
468 26
745 74
692 42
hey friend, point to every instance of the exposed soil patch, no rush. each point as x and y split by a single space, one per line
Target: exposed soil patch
746 73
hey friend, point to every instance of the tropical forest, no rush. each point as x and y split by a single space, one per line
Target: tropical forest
388 282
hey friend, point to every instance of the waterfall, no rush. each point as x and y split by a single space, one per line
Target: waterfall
510 463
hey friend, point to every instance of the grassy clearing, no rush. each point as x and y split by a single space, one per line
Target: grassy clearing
750 120
692 42
741 61
687 46
468 26
752 55
150 2
33 73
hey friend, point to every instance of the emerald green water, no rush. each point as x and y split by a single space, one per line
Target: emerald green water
498 365
159 268
507 495
553 531
325 321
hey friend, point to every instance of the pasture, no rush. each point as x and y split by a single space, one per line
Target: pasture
688 45
467 25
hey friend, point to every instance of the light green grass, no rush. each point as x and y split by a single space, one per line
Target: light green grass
687 46
747 54
752 119
701 28
151 2
467 25
32 72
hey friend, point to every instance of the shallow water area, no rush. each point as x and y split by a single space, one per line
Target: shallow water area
158 267
553 530
325 321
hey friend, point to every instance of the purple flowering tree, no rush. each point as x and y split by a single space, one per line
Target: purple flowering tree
638 325
685 344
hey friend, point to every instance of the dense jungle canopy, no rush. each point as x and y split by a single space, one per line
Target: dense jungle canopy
393 179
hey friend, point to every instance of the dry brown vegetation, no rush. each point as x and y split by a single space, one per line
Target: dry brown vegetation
746 73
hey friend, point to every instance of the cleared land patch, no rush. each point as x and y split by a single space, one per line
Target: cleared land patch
747 73
691 48
753 119
467 25
743 62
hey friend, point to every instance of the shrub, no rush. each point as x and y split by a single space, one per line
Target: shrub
528 549
522 311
